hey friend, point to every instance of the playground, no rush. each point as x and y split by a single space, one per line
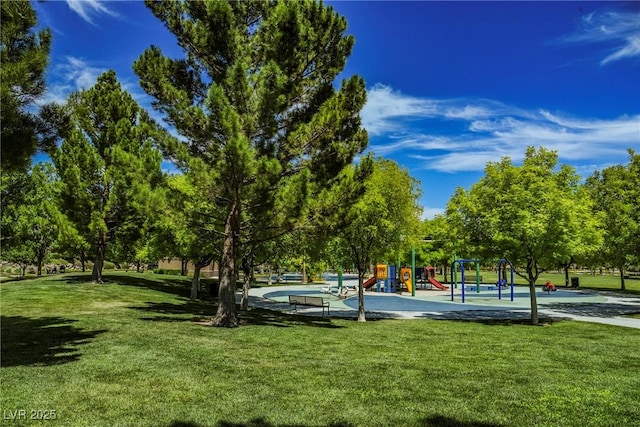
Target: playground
491 302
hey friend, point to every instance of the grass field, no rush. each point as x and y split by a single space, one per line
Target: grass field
129 353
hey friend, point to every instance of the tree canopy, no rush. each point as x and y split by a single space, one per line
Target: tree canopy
107 164
24 55
384 220
536 215
616 190
256 109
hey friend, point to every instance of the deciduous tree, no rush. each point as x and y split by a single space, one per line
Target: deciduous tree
384 220
536 215
616 191
33 224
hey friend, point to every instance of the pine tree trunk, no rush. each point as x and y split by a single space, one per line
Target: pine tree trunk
96 273
39 266
183 266
566 275
622 284
82 261
195 283
226 314
246 282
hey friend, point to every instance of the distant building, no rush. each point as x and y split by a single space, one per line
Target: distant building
210 270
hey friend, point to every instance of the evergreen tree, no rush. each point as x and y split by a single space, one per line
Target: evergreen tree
108 165
24 55
255 104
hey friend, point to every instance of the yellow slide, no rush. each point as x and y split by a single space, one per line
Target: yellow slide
405 277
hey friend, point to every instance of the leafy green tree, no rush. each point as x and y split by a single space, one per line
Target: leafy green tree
255 104
33 225
535 215
184 228
616 190
24 55
384 220
438 249
108 165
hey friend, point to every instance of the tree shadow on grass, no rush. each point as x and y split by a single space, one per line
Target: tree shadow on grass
41 341
179 287
595 309
168 312
442 421
199 311
433 421
261 422
171 285
494 318
264 317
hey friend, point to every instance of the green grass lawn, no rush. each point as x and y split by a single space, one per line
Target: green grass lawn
129 353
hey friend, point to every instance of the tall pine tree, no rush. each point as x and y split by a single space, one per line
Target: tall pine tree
108 165
255 104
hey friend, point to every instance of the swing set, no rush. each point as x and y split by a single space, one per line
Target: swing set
502 280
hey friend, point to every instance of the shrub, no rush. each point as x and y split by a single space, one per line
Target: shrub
108 265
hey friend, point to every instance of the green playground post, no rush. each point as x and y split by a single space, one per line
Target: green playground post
413 271
339 280
455 273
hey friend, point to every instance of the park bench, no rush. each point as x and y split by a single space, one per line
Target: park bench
296 300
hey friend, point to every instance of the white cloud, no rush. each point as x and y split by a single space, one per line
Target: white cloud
430 213
486 131
68 76
385 106
621 28
388 110
88 9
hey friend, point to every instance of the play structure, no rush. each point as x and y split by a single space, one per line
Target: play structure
427 275
387 279
502 282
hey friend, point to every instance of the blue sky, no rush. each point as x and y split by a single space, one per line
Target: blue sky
451 85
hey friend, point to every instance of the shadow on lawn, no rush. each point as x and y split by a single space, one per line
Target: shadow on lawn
494 318
171 286
169 312
174 286
263 317
596 309
433 421
442 421
41 341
